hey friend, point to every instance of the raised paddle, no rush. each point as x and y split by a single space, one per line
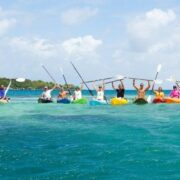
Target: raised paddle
45 69
118 79
90 91
103 79
10 82
139 79
62 72
159 67
172 79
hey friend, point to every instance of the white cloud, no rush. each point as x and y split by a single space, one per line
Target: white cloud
145 26
35 46
81 46
78 15
6 24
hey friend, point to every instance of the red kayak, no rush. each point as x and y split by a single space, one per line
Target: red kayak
158 100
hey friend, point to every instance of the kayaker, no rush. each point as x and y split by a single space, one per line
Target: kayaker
175 93
2 92
78 93
100 92
120 91
62 94
46 95
141 91
159 94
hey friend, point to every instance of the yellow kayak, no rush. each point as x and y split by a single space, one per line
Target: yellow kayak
3 101
119 101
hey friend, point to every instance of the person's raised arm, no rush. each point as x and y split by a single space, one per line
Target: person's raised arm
54 87
94 86
113 86
134 84
103 85
122 84
148 87
82 85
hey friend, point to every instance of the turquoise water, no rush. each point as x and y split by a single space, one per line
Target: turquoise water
53 141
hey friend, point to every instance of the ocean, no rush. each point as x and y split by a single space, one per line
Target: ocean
55 141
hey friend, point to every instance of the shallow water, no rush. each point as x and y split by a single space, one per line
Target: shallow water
53 141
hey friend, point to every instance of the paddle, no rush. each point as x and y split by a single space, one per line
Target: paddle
119 78
45 69
9 85
90 91
101 79
172 79
149 99
139 79
62 72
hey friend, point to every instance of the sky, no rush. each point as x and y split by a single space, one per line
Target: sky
103 38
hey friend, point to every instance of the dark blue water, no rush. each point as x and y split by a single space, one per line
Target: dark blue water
52 141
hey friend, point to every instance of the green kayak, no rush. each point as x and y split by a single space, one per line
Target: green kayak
140 101
80 101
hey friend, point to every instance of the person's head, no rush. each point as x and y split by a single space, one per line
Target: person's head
45 88
120 86
77 88
174 87
160 89
100 87
141 86
2 87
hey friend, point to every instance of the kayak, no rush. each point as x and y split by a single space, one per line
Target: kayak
158 100
3 101
172 100
140 101
64 101
40 100
118 101
95 102
80 101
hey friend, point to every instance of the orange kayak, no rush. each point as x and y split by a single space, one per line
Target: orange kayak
172 100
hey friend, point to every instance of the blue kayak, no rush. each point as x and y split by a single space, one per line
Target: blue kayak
64 101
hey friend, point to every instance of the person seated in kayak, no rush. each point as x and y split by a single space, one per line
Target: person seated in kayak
159 94
78 93
46 95
62 94
141 91
175 93
100 92
2 92
120 91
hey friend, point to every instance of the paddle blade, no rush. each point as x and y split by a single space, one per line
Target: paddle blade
149 99
20 79
171 79
159 68
119 77
158 81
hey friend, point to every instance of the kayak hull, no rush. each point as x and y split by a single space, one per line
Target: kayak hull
140 101
172 100
80 101
118 101
45 101
64 101
95 102
3 101
158 101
